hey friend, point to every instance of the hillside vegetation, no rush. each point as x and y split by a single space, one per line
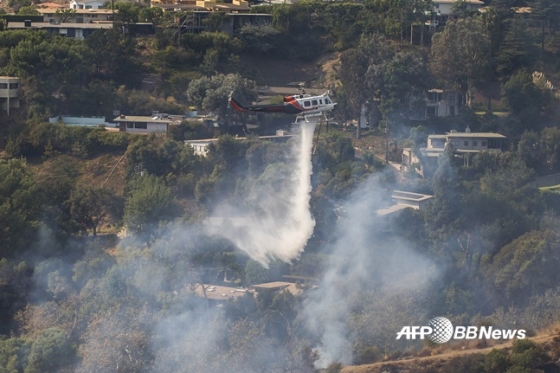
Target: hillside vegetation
105 236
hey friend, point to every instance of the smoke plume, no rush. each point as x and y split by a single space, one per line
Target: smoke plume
369 270
282 223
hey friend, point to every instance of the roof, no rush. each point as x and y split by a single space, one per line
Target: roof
38 25
279 285
50 5
87 1
437 136
138 118
476 2
8 77
78 11
391 209
220 292
490 135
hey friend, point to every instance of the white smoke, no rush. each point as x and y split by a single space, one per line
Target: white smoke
368 269
281 226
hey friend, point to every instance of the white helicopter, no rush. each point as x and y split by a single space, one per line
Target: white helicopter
303 105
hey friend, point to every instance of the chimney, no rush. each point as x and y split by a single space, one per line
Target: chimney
123 116
468 130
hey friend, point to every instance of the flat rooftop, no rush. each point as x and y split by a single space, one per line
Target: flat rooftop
223 293
409 196
489 135
138 118
45 25
278 285
78 11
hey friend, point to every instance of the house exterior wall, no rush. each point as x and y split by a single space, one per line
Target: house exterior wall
9 93
469 143
86 4
142 127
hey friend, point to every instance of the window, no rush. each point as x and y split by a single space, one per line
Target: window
451 98
3 85
466 143
327 101
314 103
143 125
483 143
475 143
455 143
14 85
130 125
320 102
307 103
88 6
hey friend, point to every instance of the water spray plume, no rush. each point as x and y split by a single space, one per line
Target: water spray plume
281 226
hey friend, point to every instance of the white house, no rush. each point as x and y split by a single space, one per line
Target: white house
444 8
141 124
80 121
9 93
463 143
81 16
86 4
70 30
443 103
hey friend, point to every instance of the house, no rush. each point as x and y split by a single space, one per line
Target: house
219 293
86 4
80 121
444 9
139 124
278 286
9 93
202 5
81 15
463 143
443 103
71 30
201 147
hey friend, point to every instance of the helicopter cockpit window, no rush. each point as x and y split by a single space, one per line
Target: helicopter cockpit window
314 102
321 102
307 103
327 101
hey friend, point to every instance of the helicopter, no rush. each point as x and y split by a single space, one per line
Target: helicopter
303 105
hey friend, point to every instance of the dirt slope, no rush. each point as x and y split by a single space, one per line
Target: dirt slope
431 363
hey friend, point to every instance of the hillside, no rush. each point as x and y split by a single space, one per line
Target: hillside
439 361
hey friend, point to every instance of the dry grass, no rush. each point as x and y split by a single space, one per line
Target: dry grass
95 172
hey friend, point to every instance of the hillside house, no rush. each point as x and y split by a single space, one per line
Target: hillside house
464 144
9 93
86 4
201 147
444 9
144 124
81 16
71 30
443 103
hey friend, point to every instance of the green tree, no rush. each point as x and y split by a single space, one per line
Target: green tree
19 205
149 202
65 15
527 266
353 68
402 82
211 93
546 12
89 206
49 352
523 97
461 56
